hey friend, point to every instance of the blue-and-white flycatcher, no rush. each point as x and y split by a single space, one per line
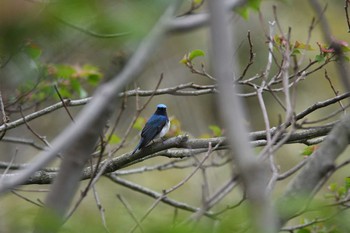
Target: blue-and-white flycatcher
157 126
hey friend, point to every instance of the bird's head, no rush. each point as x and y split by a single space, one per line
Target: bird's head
161 110
161 106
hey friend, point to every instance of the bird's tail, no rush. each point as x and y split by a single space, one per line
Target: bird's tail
137 147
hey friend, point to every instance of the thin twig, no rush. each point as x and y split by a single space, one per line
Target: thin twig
153 194
167 191
347 14
26 199
42 138
336 93
100 208
251 57
9 166
91 33
130 211
63 102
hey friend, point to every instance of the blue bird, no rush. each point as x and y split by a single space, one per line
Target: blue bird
157 126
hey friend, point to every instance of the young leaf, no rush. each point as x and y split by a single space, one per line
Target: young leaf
114 139
303 46
333 187
216 130
192 55
92 74
320 58
139 123
254 4
347 183
184 60
33 50
64 71
243 12
251 5
308 150
195 53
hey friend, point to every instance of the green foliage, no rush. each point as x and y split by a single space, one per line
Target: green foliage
192 55
308 150
56 24
320 58
325 51
338 192
244 11
318 228
301 46
32 50
175 127
114 139
139 123
216 131
70 80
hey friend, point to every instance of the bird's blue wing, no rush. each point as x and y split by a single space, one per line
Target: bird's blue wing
152 128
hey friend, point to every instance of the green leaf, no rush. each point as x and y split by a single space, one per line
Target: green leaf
64 92
308 150
345 49
184 60
64 71
76 86
333 187
195 53
243 12
320 58
192 55
33 51
303 46
216 130
93 79
139 123
114 139
341 191
92 74
347 182
296 51
251 5
254 4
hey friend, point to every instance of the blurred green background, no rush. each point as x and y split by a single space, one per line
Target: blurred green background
48 32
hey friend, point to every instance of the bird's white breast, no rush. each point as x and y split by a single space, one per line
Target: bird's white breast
165 129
